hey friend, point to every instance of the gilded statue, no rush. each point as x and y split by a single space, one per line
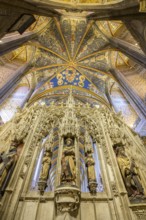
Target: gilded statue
68 163
7 164
129 172
46 165
90 163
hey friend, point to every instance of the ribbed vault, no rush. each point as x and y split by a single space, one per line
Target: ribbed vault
74 53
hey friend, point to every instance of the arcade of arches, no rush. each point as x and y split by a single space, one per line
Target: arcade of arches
73 109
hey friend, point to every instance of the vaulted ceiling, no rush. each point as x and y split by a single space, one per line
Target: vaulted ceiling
72 52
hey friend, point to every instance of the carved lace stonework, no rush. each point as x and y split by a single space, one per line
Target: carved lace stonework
114 188
35 123
67 199
69 124
106 153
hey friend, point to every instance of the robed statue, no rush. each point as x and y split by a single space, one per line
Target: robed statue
90 164
130 172
7 163
45 168
46 164
68 174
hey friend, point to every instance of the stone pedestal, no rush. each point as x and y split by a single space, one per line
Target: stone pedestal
42 186
92 186
67 198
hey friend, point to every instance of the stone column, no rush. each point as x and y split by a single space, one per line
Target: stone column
21 175
27 97
58 166
13 41
132 97
77 155
10 86
137 27
129 50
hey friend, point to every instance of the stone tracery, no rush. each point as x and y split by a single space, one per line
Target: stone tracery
104 127
66 162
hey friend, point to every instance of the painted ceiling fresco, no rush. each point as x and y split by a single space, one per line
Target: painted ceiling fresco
73 51
99 2
70 53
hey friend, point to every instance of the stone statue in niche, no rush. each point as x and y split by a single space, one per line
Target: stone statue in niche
46 164
129 172
68 174
7 165
67 194
90 163
44 174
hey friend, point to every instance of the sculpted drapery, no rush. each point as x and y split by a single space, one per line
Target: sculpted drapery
129 172
90 166
7 164
68 163
46 164
90 163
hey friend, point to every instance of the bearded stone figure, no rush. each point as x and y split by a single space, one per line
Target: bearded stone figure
129 172
7 164
68 163
46 164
